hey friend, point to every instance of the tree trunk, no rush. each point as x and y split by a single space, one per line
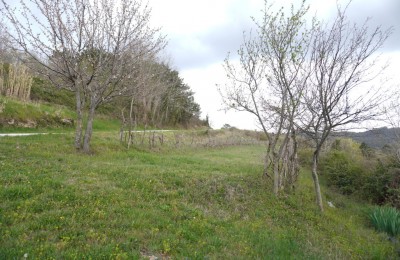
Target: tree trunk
130 123
89 127
275 165
267 163
294 163
316 181
122 129
79 120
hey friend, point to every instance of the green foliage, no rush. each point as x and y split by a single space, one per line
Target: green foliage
375 187
163 99
393 187
386 219
342 172
362 171
366 150
177 101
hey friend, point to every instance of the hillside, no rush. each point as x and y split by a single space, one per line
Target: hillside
376 138
20 116
176 201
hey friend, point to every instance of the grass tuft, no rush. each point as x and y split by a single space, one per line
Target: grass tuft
386 219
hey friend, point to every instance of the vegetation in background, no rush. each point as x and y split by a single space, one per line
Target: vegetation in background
15 81
357 169
160 98
44 91
165 140
53 108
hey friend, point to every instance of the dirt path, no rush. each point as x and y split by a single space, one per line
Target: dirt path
22 134
28 134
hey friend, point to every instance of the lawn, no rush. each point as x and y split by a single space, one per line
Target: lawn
186 203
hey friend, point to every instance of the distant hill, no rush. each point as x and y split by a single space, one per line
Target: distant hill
376 138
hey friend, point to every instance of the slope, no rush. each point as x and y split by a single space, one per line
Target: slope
191 202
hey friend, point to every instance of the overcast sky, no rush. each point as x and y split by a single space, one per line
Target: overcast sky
202 32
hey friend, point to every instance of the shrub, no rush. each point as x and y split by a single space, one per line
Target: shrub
382 186
386 219
366 151
393 191
375 185
342 172
360 170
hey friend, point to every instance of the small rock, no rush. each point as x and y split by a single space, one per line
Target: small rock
67 121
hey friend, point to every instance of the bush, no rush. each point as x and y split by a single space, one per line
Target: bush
386 219
393 188
360 170
342 172
375 186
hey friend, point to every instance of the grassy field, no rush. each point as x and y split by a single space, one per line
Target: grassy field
187 203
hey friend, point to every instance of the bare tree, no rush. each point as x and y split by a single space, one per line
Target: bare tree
5 51
146 92
268 82
343 63
89 47
15 81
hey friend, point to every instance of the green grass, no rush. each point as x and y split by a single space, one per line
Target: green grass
193 203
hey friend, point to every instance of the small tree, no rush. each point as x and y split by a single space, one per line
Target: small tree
268 82
88 47
342 61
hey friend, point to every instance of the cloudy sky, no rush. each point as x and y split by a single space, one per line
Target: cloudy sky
202 32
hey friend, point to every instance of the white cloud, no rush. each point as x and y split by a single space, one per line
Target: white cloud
201 33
